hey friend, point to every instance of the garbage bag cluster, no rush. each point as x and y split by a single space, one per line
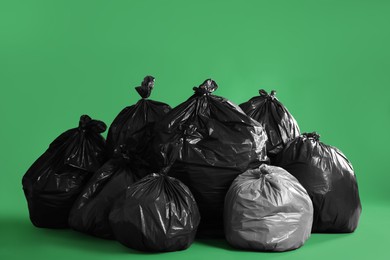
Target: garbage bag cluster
206 168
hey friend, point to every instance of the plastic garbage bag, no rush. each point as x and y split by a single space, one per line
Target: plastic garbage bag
328 177
219 143
56 178
133 127
157 214
91 209
278 123
267 209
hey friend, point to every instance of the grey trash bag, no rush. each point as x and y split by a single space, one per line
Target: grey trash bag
267 209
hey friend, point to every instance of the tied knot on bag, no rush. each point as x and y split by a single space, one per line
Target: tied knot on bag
314 135
206 88
86 123
146 87
264 93
263 169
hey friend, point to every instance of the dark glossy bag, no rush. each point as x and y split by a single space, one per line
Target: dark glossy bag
133 127
267 209
219 143
278 123
157 214
91 209
56 178
328 177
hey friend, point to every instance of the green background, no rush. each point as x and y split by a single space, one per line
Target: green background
328 60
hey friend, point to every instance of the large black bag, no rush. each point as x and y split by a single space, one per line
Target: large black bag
219 143
278 123
157 214
91 209
57 177
267 209
328 177
133 126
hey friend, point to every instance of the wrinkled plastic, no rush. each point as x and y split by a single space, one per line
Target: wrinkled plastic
278 123
56 178
219 143
91 209
133 127
157 214
267 209
329 178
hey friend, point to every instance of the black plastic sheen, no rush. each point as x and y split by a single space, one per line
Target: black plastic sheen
219 142
278 123
91 209
328 177
133 127
157 213
57 177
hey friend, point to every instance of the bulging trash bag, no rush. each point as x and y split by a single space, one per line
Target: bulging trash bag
219 143
267 209
328 177
157 214
133 127
56 178
278 123
91 209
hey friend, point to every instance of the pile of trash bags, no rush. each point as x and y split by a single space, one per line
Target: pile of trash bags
206 168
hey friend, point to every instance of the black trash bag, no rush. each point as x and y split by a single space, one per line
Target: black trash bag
278 123
329 178
157 214
91 209
267 209
219 143
54 181
134 125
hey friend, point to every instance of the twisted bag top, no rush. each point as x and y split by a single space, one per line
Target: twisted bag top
328 177
134 124
279 124
219 142
54 181
82 148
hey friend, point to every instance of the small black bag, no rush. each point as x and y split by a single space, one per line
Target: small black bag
133 127
157 214
328 177
278 123
56 178
219 142
91 209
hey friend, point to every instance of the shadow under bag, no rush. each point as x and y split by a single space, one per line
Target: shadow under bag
219 142
328 177
56 178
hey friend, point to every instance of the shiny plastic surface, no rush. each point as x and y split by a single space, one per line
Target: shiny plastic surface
278 123
91 209
133 126
328 177
57 177
157 213
267 209
219 143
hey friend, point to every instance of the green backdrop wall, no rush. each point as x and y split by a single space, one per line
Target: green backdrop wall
328 60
